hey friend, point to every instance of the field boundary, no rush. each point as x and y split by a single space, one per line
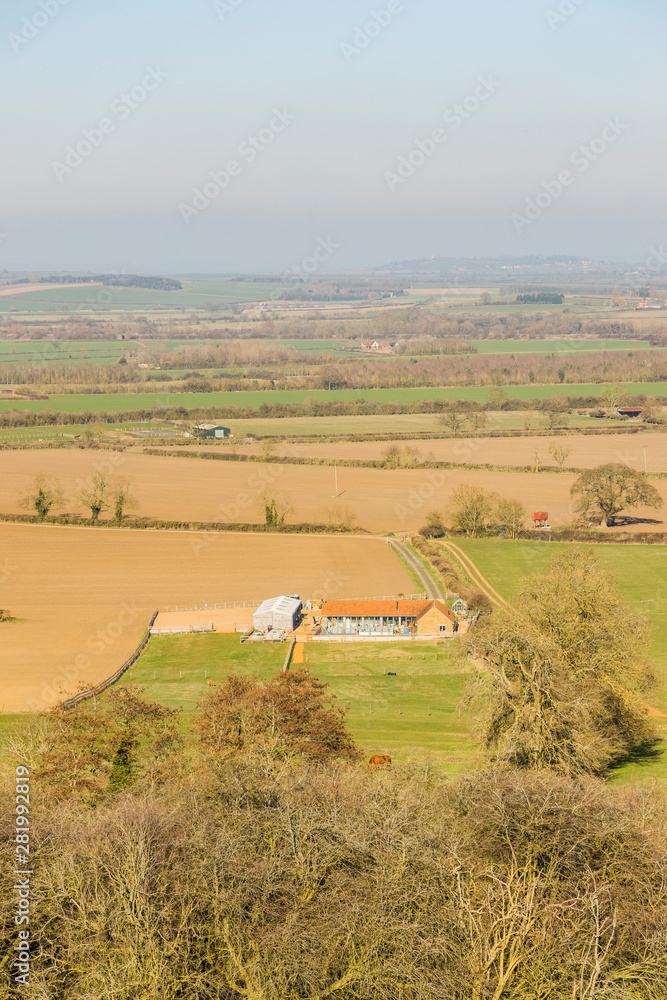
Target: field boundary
378 464
103 685
475 575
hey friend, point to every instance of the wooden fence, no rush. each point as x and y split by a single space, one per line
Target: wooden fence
99 688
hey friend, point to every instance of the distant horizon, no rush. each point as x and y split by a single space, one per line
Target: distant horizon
324 272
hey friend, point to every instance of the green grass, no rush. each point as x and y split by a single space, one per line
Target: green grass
255 399
641 572
388 714
391 714
98 298
556 346
219 654
67 432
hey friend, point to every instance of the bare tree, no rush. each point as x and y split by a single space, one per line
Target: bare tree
559 452
478 419
96 494
453 420
41 495
471 509
122 498
559 680
510 516
276 508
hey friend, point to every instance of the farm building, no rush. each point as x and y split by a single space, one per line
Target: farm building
387 618
212 431
278 612
630 411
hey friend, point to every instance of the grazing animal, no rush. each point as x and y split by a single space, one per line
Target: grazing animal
211 684
379 759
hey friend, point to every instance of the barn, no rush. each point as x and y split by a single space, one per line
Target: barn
212 431
278 613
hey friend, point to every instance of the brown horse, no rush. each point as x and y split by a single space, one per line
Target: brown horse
379 759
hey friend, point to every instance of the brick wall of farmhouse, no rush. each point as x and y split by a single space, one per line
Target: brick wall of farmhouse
430 622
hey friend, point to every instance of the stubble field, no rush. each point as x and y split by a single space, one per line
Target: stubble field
585 451
82 597
230 492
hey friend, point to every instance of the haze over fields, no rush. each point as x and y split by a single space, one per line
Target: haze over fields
127 110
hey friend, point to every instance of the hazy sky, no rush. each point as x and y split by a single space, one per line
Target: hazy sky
324 112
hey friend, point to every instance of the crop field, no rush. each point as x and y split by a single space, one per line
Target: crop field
81 403
99 298
387 424
642 576
109 351
585 450
82 597
566 346
412 716
193 489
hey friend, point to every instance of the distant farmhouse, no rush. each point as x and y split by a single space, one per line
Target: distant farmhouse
388 618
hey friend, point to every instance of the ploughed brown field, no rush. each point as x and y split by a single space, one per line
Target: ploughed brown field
202 490
586 451
83 597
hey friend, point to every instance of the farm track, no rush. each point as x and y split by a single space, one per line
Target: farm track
430 585
476 576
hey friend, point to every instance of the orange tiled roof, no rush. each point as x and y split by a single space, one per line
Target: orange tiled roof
406 609
384 609
447 612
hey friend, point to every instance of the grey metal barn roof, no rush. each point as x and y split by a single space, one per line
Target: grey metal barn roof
279 605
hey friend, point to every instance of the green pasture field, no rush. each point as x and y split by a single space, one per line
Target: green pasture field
108 298
565 346
67 432
109 352
641 572
387 714
134 401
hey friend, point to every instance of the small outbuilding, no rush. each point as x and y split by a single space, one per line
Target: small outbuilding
630 411
278 613
212 431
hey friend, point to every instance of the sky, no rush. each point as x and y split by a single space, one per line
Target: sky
216 136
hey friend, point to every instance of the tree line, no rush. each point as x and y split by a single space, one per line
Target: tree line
99 493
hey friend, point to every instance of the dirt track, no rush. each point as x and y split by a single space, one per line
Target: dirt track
202 490
84 596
